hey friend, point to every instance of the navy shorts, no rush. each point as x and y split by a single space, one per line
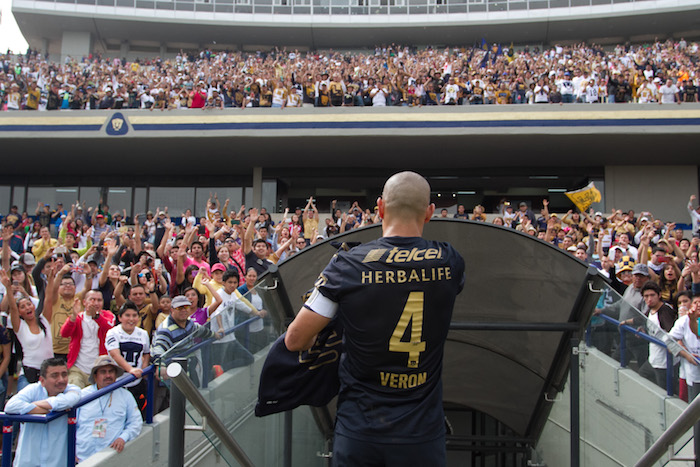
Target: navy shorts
348 452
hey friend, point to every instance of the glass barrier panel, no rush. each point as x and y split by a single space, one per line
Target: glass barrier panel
224 358
635 332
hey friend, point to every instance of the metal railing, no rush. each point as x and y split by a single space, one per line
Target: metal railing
687 420
179 377
206 367
71 420
149 373
347 7
624 330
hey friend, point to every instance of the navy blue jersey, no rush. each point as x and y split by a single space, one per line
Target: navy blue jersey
395 297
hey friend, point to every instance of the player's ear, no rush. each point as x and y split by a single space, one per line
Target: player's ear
429 211
380 205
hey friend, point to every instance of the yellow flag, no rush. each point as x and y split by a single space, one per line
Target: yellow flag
584 197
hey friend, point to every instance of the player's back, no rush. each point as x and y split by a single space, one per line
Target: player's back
395 298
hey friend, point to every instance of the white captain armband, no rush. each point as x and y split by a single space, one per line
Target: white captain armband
321 305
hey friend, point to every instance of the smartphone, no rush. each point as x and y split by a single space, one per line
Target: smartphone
201 230
60 249
235 222
158 263
16 283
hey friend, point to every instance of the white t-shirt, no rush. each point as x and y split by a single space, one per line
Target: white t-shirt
668 94
378 97
89 345
132 346
227 312
592 94
657 354
541 94
257 302
36 347
681 331
566 87
451 91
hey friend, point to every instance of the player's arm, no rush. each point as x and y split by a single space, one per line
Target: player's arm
315 315
302 332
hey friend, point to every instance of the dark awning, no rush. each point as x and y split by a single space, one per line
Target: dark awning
511 278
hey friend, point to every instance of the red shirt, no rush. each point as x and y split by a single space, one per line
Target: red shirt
198 99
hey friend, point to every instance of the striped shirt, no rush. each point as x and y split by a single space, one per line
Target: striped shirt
170 333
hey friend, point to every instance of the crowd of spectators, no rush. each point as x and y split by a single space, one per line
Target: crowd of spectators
663 72
105 295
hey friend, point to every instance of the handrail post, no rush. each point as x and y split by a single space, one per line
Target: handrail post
669 373
176 436
7 443
150 398
288 429
72 432
687 419
187 390
574 394
205 352
623 347
589 331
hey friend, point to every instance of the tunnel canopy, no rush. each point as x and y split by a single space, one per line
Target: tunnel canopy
511 278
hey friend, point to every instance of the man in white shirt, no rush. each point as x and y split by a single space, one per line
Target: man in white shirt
669 93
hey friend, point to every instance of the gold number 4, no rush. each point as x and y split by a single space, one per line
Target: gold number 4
413 315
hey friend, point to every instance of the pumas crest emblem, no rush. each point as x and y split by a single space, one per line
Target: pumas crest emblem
117 125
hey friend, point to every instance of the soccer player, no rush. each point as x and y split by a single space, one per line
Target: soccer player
394 298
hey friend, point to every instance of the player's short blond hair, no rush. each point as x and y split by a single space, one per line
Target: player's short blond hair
406 195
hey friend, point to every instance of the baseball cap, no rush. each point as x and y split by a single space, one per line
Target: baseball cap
218 267
179 301
28 259
625 264
641 269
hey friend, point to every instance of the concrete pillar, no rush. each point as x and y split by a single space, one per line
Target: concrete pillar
663 191
163 50
257 187
124 49
44 48
77 44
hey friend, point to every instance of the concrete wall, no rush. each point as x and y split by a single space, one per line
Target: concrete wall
622 414
662 190
76 44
